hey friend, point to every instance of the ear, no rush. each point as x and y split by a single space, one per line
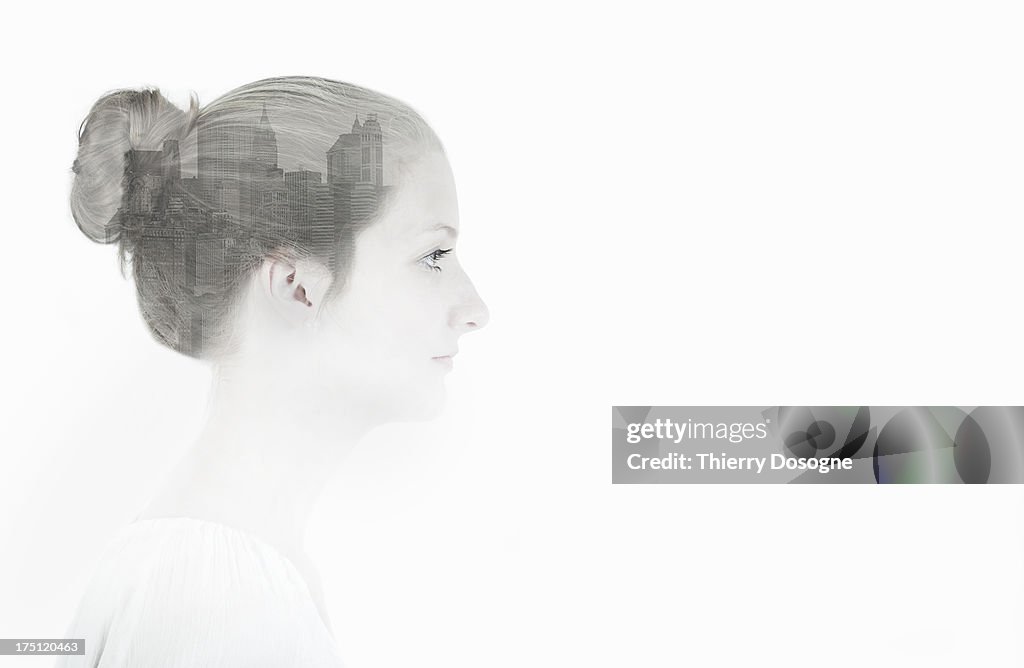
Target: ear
295 288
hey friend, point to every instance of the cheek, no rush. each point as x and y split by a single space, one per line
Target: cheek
406 328
375 352
394 319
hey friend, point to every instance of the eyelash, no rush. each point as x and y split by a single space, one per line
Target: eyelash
436 256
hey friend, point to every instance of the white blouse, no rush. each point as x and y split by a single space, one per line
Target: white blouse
180 591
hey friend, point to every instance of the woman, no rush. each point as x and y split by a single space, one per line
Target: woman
297 234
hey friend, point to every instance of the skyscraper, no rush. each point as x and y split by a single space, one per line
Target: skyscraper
358 155
265 144
344 158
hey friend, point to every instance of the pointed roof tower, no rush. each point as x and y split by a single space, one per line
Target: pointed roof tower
265 142
371 124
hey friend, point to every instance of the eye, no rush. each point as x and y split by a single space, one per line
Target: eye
432 259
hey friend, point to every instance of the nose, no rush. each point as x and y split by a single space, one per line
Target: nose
470 313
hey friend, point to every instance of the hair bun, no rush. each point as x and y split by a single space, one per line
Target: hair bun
119 121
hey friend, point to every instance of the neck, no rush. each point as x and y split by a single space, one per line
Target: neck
262 459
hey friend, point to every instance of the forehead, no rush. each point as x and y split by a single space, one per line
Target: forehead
424 198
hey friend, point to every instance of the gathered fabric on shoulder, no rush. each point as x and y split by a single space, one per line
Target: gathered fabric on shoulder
178 591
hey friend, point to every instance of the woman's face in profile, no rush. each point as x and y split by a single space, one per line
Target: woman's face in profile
387 338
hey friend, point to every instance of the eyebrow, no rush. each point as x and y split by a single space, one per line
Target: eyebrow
447 228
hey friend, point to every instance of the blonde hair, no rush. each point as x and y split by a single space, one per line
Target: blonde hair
192 240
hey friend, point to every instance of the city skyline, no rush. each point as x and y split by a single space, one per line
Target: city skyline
196 232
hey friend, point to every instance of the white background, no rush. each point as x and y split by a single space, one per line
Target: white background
722 203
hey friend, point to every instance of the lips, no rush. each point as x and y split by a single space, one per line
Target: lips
446 360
